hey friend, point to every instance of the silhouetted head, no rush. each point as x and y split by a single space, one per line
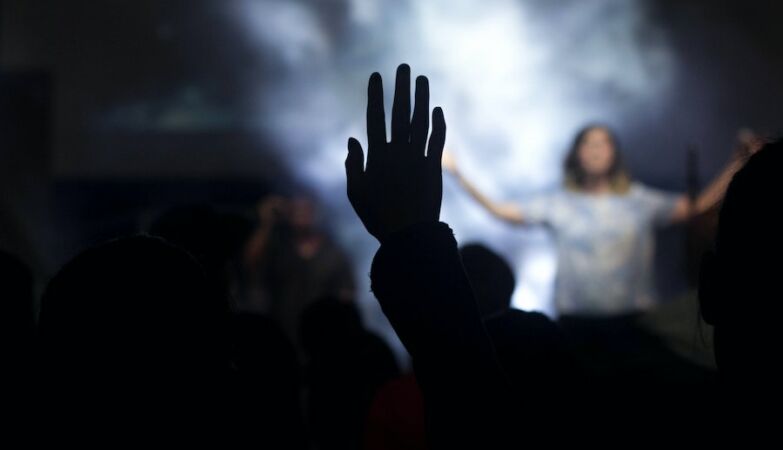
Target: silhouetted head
212 237
739 287
133 308
490 276
594 154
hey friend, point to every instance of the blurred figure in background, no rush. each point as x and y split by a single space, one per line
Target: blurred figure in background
291 262
603 224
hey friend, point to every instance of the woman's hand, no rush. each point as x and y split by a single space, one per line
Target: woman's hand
748 143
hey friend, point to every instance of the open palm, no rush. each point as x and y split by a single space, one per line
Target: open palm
401 184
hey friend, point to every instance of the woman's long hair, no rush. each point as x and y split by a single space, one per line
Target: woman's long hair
575 175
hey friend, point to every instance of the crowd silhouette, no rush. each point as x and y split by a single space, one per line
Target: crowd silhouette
254 322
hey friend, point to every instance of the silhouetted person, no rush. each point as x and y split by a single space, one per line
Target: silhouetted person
267 383
132 322
215 239
530 347
419 280
740 285
417 275
490 277
346 366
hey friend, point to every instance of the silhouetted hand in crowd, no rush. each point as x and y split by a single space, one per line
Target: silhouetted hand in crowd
401 185
417 275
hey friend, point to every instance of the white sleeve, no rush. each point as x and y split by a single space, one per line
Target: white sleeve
658 204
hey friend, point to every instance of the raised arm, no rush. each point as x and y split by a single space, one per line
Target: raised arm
417 275
714 192
268 211
508 212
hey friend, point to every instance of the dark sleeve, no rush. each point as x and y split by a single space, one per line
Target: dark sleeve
418 278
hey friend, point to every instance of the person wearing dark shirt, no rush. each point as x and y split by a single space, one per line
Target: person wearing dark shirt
292 262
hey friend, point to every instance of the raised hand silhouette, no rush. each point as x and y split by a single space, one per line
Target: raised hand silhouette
417 275
401 185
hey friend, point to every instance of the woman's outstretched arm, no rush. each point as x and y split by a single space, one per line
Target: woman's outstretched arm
508 212
711 195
